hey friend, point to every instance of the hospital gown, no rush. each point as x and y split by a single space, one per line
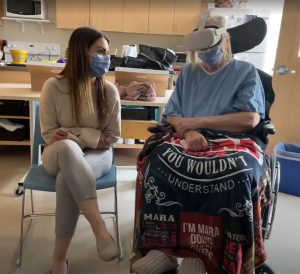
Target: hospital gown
233 88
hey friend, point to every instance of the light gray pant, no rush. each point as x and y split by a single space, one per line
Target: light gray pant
76 172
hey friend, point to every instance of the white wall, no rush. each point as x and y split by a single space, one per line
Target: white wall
274 8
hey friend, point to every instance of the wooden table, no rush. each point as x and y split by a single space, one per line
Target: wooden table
132 129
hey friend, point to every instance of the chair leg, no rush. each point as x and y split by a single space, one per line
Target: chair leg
19 261
31 200
117 224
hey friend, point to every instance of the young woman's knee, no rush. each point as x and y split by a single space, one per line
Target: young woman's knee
69 149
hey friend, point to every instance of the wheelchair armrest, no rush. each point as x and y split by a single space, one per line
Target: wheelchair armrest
263 129
268 128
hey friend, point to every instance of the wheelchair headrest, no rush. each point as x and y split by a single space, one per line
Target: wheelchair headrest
248 35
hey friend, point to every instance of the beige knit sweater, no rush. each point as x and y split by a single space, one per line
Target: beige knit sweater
55 113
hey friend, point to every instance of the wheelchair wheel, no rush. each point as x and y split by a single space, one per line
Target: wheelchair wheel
275 177
268 213
19 190
264 269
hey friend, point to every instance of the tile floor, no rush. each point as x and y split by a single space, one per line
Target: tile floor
283 247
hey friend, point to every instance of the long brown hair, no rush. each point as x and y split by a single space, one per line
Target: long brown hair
77 72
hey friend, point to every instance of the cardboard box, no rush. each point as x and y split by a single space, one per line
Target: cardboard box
123 76
40 72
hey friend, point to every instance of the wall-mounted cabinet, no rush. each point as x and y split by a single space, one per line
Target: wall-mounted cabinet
72 14
106 15
102 14
135 16
171 17
161 16
186 16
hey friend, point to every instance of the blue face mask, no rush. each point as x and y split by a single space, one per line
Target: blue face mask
100 65
211 56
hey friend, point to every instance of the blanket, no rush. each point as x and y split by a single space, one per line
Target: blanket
202 204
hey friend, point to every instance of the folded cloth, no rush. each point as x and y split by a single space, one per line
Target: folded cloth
155 262
10 126
192 266
138 91
122 90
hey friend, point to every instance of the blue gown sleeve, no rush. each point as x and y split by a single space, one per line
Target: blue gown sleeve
173 107
250 97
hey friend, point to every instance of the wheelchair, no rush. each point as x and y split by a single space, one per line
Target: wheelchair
257 30
261 131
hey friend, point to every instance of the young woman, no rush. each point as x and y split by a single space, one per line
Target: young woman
80 121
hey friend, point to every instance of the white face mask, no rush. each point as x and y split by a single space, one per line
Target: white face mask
100 65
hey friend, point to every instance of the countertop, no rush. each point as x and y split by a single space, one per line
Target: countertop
13 68
24 68
18 91
14 91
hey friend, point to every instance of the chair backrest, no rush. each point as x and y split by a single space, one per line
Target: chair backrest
266 80
38 140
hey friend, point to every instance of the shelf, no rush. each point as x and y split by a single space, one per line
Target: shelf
13 117
21 21
139 146
15 143
136 129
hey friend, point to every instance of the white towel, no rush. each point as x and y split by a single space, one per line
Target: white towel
10 126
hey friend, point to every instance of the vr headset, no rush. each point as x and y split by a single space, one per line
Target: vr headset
203 39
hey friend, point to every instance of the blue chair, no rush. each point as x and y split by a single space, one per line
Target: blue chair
38 179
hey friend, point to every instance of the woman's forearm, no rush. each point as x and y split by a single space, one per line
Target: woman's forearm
234 122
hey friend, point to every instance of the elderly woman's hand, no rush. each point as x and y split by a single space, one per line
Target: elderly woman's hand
195 140
181 125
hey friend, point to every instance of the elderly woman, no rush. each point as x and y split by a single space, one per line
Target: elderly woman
198 185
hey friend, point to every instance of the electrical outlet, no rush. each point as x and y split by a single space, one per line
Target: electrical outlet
53 48
35 48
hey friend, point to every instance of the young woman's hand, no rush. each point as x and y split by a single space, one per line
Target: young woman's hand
104 141
195 140
60 135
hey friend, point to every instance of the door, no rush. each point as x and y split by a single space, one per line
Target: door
106 15
72 14
135 17
285 111
1 14
161 16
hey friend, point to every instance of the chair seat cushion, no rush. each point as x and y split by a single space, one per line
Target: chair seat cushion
38 178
